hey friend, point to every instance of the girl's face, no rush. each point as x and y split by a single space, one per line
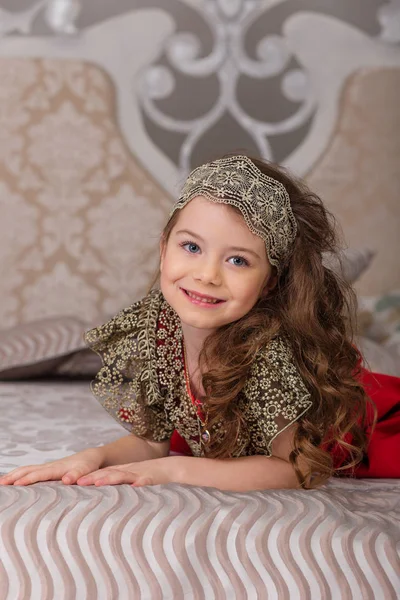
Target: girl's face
213 268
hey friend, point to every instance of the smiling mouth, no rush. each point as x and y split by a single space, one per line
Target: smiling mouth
204 299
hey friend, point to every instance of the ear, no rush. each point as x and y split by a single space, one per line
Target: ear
270 284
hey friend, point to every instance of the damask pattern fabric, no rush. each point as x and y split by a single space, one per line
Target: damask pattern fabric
142 382
358 175
71 192
71 242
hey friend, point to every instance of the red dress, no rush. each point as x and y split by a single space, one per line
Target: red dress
383 455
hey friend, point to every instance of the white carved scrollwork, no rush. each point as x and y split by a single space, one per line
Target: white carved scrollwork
297 70
60 16
227 61
389 19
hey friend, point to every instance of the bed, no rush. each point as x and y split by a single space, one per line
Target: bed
68 263
174 541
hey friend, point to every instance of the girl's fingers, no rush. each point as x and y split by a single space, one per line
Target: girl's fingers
107 477
35 473
16 474
115 478
91 478
38 475
73 475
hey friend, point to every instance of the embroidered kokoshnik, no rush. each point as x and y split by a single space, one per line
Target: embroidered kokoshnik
263 201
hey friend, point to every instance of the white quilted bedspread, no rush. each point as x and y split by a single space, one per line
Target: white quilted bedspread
178 542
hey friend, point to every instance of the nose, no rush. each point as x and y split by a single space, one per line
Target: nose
208 271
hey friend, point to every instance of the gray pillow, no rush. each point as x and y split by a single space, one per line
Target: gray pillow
35 349
83 364
350 263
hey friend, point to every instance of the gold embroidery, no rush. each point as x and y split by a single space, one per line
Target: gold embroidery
276 395
127 386
204 433
142 383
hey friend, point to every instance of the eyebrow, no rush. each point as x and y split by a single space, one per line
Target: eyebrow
233 248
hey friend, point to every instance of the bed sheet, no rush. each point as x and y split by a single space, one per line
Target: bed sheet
175 541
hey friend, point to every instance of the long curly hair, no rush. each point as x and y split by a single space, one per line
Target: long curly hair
314 308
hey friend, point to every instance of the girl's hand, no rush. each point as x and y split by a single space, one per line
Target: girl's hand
138 474
67 469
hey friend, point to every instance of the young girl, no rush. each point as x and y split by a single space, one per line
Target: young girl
243 357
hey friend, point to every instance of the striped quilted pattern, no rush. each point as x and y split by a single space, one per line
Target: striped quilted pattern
181 542
38 341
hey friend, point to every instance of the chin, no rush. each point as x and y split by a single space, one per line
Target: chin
200 323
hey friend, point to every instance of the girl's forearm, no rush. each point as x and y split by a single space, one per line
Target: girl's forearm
131 449
242 474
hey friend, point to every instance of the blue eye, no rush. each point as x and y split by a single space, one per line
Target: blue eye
190 247
239 261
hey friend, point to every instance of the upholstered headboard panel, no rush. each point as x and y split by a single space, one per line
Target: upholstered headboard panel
80 216
358 175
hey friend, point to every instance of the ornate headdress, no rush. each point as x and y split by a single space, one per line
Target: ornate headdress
262 200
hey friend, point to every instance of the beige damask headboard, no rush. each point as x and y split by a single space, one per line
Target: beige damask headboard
81 216
104 111
358 175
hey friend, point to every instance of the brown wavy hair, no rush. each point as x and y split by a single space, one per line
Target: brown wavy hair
314 308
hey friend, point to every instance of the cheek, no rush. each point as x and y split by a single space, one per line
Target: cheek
170 266
165 283
250 290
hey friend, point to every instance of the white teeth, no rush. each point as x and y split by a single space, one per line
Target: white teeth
207 300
